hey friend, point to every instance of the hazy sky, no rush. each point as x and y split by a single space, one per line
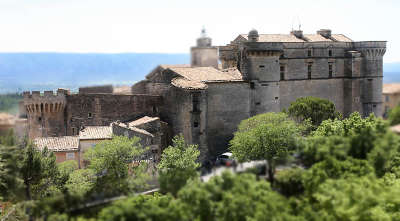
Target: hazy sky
171 26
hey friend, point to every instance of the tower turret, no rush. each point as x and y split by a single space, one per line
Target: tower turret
45 113
204 54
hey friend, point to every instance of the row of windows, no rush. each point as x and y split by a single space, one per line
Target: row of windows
309 70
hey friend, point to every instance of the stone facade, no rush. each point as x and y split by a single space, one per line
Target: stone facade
260 73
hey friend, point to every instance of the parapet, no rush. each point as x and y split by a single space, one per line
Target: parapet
35 102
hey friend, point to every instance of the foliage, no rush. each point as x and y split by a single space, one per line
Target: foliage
178 164
110 160
9 102
313 108
332 168
64 170
269 136
394 116
80 182
9 139
289 181
356 198
10 181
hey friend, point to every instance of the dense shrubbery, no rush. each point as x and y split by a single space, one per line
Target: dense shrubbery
351 172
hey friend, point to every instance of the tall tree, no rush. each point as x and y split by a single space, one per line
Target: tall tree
111 161
394 116
269 136
178 164
313 108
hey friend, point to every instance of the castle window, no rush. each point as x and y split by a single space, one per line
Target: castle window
258 103
195 124
73 130
252 85
89 115
261 66
309 70
309 53
330 70
282 71
40 119
154 109
70 156
276 98
330 53
196 102
374 105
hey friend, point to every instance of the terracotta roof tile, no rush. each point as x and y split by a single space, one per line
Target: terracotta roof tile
142 120
58 144
391 88
188 84
95 133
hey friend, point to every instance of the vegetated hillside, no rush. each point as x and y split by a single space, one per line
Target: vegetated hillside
38 71
9 103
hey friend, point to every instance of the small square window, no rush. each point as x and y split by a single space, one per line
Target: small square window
258 103
195 124
70 156
252 85
330 53
40 119
90 115
261 66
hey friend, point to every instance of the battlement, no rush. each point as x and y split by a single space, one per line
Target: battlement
48 102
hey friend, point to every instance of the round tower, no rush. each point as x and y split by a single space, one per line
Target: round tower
45 113
204 54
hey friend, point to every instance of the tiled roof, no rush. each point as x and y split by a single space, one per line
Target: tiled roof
391 88
292 38
129 127
188 84
165 66
142 120
7 119
95 133
204 74
58 144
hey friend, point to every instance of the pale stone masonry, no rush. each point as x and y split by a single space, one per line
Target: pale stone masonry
259 73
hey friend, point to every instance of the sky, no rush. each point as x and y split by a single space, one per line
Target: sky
171 26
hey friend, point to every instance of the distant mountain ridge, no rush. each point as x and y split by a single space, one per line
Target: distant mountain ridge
39 71
49 71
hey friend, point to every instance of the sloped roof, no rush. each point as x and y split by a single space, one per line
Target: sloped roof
143 120
188 84
95 133
292 38
58 144
7 119
204 74
391 88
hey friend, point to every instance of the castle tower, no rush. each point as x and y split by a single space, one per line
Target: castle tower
204 54
45 113
371 76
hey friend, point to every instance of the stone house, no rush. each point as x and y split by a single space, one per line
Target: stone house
390 97
64 147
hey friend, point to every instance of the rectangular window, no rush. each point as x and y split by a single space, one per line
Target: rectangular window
309 70
261 66
387 98
89 115
282 70
330 53
70 156
195 124
196 102
330 70
309 53
251 85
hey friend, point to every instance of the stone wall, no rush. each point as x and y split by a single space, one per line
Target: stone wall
102 109
102 89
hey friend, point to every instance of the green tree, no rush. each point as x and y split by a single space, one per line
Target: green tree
111 159
269 136
313 108
80 183
178 164
394 116
11 183
289 181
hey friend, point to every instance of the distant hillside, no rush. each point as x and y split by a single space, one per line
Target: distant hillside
38 71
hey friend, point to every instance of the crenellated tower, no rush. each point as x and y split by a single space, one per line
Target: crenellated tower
371 76
45 113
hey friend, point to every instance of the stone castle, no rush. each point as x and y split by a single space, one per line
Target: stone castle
206 100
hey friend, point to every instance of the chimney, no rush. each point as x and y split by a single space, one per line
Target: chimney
297 33
326 33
